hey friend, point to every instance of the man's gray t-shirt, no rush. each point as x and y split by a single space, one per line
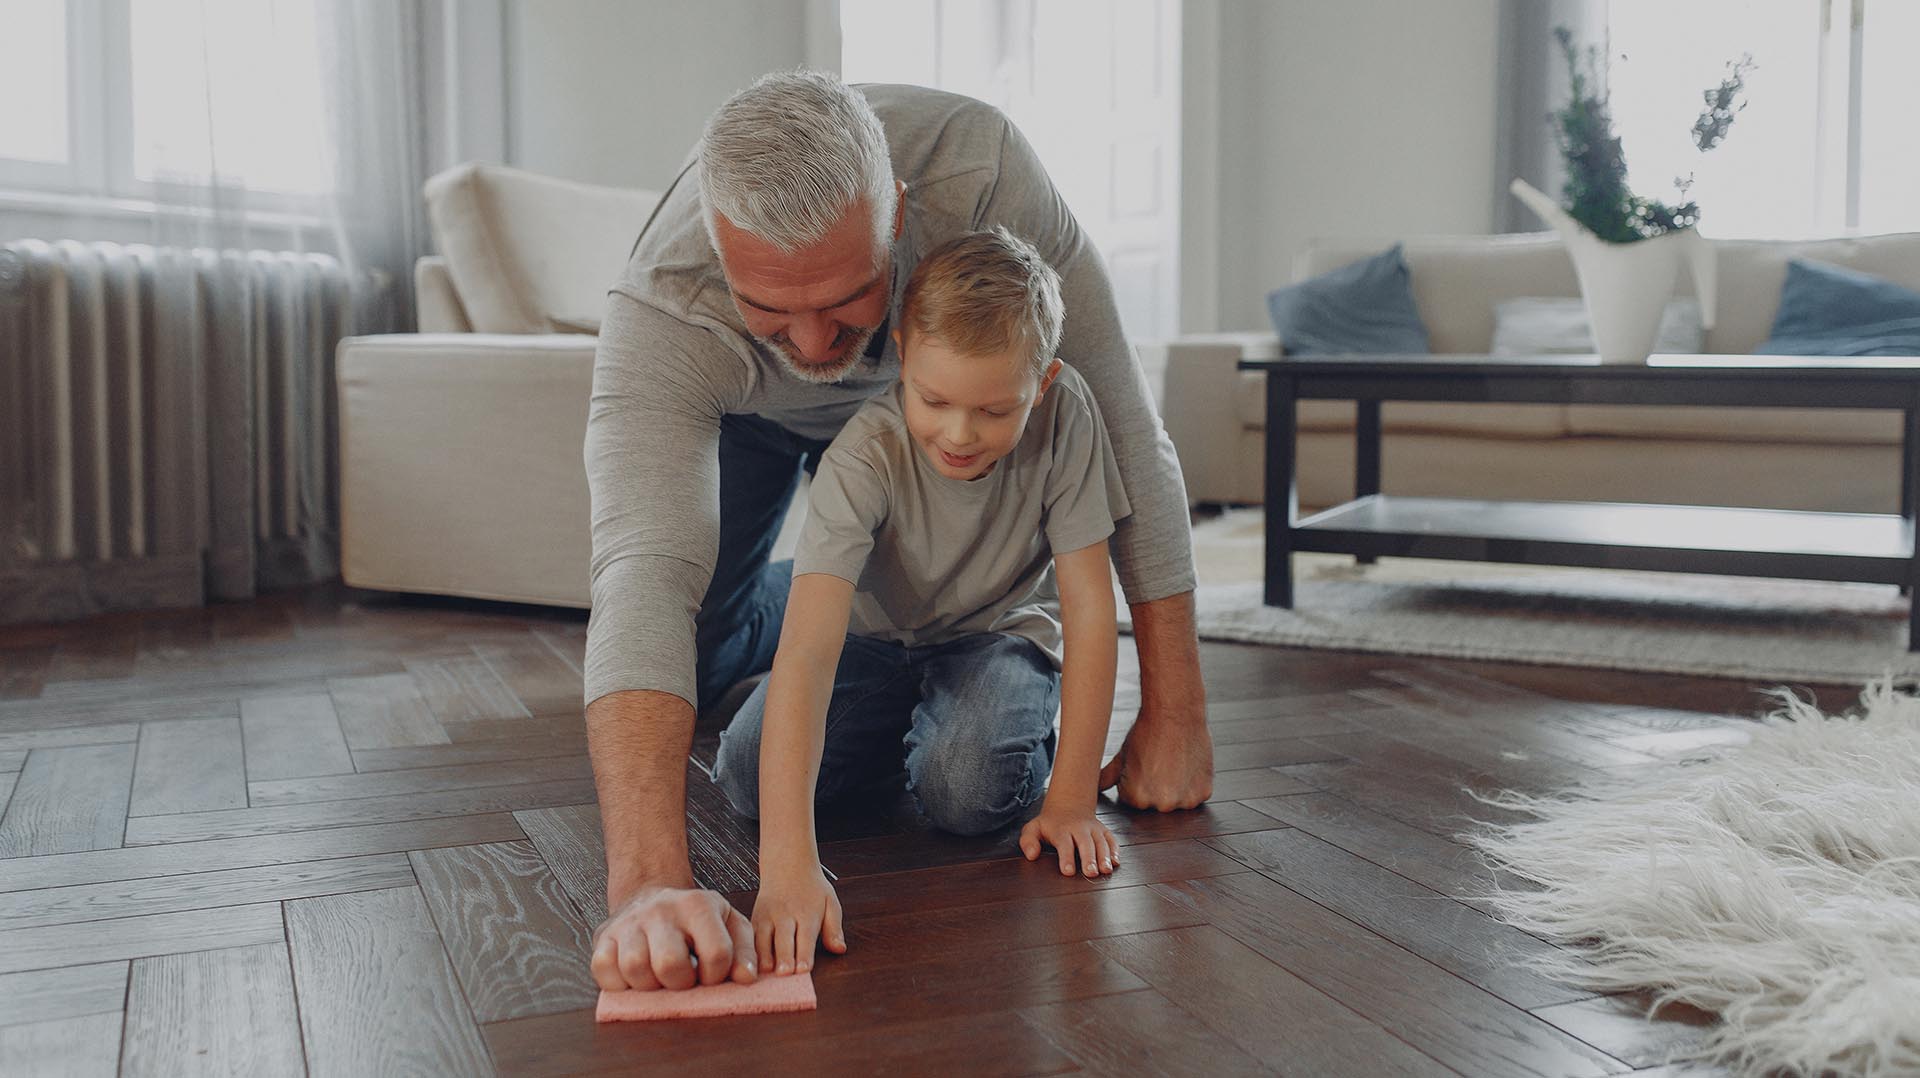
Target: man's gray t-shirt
935 558
674 357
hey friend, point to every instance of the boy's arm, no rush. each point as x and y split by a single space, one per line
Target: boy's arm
1086 677
794 728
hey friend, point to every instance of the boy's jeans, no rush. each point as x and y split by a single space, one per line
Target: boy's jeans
974 718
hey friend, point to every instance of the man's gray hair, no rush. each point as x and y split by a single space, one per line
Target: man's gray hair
786 157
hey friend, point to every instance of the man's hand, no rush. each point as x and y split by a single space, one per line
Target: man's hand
1166 761
644 944
1162 765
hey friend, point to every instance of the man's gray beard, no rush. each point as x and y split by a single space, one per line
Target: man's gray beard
821 373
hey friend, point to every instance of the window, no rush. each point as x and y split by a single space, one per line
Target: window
135 95
1093 85
1824 146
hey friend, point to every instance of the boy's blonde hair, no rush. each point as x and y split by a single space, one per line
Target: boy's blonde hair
987 292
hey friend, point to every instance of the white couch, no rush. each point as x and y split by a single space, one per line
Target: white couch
1776 458
461 468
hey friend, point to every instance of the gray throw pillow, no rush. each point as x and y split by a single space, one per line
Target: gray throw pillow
1366 307
1555 325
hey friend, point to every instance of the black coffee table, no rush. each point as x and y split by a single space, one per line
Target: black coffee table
1871 548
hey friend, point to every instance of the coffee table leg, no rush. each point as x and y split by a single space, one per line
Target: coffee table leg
1366 457
1908 439
1282 492
1909 498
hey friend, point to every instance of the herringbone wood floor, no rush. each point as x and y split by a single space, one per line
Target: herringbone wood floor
354 834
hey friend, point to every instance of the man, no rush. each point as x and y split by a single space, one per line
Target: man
751 322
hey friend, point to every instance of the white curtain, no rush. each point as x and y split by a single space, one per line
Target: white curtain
248 193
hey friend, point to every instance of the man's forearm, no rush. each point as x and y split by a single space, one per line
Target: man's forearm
639 742
1169 646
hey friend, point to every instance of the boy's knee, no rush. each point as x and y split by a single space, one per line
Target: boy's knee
736 770
977 795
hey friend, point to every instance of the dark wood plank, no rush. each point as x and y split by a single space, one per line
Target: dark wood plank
1449 1019
94 656
464 688
380 711
1251 782
293 737
1620 1026
65 992
1457 938
986 1044
1427 859
139 937
1139 1033
376 993
420 780
68 799
571 741
202 890
141 862
974 882
926 847
23 670
891 1000
59 737
1224 986
723 847
518 944
539 678
189 765
569 839
234 823
229 1011
997 928
86 1046
1277 752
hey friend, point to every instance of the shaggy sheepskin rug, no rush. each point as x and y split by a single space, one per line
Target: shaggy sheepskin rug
1774 883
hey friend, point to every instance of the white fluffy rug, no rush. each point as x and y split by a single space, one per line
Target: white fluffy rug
1766 630
1776 884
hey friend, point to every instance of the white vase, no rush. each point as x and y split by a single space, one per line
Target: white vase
1628 285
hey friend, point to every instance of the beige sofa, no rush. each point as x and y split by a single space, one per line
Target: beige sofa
460 446
1776 458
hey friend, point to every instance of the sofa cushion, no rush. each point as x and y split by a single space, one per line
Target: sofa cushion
1833 311
527 252
1550 325
1363 307
1811 426
1752 272
1458 279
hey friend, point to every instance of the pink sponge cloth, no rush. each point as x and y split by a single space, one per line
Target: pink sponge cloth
767 995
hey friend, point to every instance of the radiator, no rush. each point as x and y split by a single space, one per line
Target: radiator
166 422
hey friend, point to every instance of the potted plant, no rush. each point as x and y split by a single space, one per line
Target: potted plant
1627 249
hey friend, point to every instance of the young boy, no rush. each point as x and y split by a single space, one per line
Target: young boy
956 539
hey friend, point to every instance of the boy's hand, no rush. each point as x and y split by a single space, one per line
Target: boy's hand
793 910
1072 831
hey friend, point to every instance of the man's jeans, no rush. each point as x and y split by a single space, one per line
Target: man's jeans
973 717
738 626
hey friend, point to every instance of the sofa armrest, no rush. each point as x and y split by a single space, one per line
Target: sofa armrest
437 300
1199 397
461 467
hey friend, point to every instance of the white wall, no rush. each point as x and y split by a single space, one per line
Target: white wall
616 91
1357 118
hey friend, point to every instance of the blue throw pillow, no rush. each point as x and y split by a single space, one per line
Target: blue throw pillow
1831 311
1365 307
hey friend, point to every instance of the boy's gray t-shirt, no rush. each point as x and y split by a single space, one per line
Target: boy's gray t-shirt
934 558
